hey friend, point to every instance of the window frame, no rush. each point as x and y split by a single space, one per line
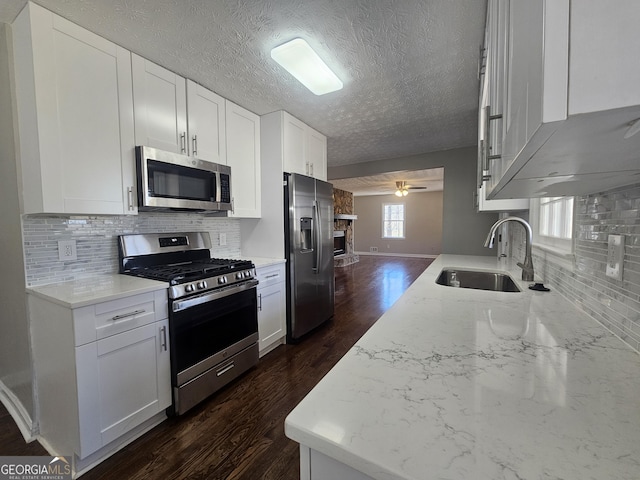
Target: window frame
403 221
554 244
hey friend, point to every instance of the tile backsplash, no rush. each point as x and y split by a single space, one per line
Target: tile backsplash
613 303
96 240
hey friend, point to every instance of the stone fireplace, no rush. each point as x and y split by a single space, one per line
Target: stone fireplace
343 219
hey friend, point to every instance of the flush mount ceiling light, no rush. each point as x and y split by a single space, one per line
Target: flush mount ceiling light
299 59
401 189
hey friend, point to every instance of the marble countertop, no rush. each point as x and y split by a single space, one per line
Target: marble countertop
99 288
264 261
454 383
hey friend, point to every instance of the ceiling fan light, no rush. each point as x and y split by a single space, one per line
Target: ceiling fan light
405 192
398 193
301 61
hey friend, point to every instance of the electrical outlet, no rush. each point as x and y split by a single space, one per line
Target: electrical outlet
67 250
223 239
615 257
373 249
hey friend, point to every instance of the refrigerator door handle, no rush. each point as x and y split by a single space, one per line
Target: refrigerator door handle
317 225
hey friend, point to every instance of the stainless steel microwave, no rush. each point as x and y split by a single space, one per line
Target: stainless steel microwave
169 180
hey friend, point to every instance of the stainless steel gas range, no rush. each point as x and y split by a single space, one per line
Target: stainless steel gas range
213 315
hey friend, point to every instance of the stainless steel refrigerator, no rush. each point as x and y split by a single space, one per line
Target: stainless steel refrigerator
309 253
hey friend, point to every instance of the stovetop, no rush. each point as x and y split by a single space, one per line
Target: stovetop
183 260
191 271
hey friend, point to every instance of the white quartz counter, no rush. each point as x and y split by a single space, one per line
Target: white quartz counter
100 288
265 262
454 383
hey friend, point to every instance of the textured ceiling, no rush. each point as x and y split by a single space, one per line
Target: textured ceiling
409 66
431 180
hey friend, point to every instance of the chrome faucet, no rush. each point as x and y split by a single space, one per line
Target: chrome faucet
527 266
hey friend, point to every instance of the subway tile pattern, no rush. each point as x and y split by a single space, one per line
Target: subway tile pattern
613 303
96 240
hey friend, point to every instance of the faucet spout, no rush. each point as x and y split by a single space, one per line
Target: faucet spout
527 265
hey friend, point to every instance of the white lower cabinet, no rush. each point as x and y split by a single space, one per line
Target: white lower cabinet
103 373
272 315
113 396
317 466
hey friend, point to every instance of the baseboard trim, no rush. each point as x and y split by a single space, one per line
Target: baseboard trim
17 411
411 255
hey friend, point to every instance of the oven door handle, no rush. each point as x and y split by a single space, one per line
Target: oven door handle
181 305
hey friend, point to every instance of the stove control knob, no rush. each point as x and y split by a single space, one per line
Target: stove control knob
189 288
222 280
247 274
202 285
239 276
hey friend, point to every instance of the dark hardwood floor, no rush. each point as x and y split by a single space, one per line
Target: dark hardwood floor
238 433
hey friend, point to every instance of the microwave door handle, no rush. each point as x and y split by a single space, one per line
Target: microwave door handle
218 187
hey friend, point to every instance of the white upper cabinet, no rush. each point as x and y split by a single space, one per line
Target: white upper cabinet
75 117
206 124
304 149
316 154
570 94
243 156
490 110
160 106
175 114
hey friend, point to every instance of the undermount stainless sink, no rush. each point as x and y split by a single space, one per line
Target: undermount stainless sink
497 282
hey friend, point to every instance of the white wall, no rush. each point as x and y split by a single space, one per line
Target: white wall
463 229
15 357
423 224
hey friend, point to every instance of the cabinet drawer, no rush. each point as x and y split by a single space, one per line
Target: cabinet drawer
102 320
270 275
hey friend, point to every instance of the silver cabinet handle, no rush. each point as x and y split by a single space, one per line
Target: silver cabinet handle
130 314
272 275
311 169
488 118
194 145
183 142
307 168
163 343
260 302
130 197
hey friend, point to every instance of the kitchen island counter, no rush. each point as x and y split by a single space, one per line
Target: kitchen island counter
458 383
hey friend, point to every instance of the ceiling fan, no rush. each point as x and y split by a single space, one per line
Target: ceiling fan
402 189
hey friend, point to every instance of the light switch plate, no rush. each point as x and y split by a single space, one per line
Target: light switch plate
615 256
223 239
67 250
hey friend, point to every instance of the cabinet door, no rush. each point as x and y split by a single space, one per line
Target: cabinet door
316 154
206 122
523 112
294 155
75 117
123 380
271 315
243 156
160 107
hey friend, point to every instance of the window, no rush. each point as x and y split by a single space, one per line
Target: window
393 220
553 223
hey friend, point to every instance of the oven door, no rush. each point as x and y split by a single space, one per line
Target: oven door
207 329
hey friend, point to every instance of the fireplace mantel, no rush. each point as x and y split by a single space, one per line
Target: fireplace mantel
344 216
